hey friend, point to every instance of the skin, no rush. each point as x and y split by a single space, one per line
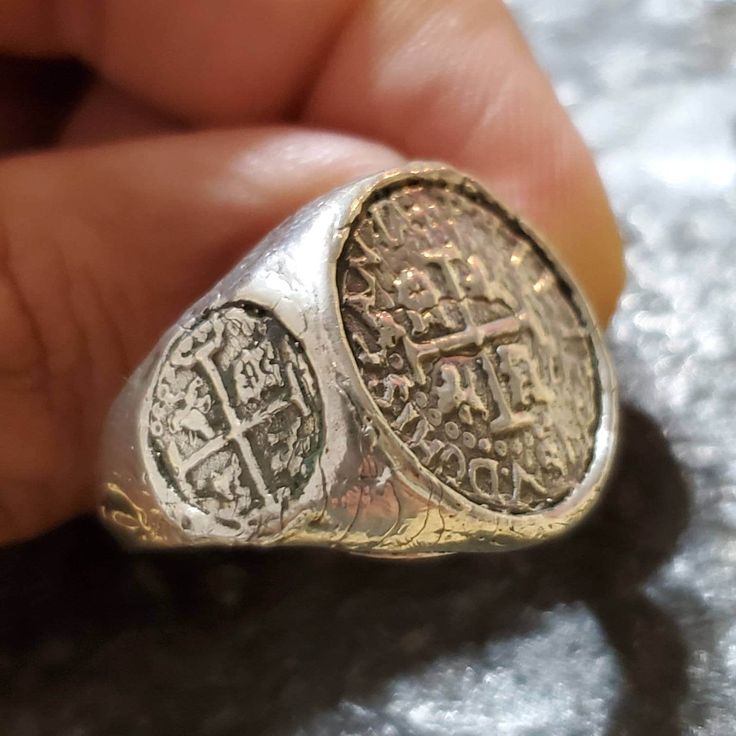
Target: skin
208 123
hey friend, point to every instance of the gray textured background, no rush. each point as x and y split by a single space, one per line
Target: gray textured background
626 627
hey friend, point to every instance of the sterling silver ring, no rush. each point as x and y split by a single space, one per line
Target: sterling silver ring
402 368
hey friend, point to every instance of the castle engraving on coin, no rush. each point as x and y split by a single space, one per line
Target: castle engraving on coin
236 418
467 338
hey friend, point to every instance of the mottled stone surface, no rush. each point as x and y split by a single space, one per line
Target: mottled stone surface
626 627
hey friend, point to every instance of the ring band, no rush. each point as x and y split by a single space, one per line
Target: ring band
400 369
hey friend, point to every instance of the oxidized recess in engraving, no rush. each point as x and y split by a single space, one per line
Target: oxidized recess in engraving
236 418
469 343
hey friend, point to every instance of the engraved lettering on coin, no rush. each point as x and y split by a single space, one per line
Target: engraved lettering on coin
236 418
468 341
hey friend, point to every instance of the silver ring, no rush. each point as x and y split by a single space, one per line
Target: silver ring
402 368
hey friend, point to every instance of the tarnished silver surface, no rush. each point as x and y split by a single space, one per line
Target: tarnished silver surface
402 368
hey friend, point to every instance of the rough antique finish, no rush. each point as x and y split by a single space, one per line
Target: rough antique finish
399 369
236 422
468 341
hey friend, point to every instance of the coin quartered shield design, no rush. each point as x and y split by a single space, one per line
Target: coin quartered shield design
236 420
471 344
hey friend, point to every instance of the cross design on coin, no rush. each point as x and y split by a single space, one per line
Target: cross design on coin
237 428
473 334
236 418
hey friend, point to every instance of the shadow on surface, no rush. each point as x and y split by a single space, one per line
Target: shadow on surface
96 641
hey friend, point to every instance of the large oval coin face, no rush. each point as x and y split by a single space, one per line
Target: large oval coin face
471 344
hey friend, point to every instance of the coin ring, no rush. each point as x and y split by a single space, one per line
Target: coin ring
430 382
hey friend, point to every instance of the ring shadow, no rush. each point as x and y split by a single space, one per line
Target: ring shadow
263 642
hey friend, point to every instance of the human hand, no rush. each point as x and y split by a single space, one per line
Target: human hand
208 123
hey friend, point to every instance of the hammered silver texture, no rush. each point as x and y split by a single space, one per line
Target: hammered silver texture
627 627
